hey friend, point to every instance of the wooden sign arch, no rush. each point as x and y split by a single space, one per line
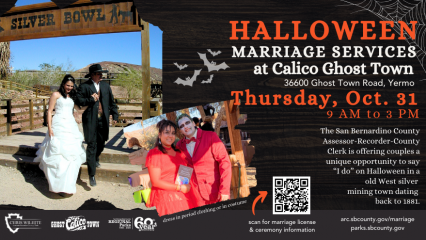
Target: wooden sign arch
45 20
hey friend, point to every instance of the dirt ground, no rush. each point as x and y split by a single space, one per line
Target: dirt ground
30 188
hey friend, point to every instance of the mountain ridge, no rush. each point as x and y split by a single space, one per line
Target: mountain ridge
120 67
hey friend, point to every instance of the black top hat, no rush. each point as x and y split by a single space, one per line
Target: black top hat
95 68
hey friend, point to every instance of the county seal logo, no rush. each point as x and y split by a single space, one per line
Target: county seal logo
14 222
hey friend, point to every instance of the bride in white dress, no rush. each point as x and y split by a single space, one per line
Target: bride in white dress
62 153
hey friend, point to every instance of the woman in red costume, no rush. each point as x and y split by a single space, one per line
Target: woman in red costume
163 163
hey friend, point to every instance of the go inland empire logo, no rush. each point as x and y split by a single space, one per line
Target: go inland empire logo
75 223
14 222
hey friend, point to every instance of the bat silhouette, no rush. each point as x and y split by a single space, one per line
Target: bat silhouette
189 81
208 80
211 66
180 66
214 53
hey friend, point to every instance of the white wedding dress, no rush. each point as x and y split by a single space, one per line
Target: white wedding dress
61 156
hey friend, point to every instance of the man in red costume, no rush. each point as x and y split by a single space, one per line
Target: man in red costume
207 154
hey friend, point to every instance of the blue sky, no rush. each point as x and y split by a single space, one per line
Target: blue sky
80 50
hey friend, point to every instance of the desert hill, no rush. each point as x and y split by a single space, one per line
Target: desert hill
119 67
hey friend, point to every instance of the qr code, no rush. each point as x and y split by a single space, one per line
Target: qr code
292 195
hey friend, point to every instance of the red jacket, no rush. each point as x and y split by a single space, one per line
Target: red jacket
211 164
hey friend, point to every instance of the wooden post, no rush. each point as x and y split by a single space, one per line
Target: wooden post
10 85
237 148
31 103
218 120
9 117
234 178
202 113
171 116
234 134
239 183
44 112
146 72
157 106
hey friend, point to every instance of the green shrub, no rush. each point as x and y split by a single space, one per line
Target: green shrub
49 74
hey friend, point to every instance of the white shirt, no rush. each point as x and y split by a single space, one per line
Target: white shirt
96 86
190 146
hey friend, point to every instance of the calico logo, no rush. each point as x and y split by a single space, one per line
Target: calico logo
75 223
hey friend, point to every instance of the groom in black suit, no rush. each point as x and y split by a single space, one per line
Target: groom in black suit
97 96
